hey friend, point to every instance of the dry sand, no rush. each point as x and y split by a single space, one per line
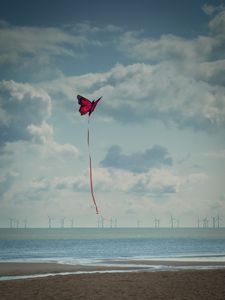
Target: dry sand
191 285
188 284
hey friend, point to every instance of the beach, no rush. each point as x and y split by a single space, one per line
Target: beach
117 263
180 284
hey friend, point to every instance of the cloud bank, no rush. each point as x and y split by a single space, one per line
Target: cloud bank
138 162
20 106
177 80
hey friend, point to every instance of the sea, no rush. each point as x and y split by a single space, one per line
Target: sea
103 246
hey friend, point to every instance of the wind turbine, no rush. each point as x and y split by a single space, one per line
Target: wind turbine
25 223
205 222
11 220
218 221
62 222
50 222
17 224
171 221
72 222
156 222
101 220
138 223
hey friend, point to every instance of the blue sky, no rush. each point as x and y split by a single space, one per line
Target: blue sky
157 136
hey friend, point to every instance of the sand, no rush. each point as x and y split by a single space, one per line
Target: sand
177 285
7 269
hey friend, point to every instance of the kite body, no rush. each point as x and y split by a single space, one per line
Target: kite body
87 106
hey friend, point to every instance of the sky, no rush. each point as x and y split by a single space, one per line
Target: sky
158 134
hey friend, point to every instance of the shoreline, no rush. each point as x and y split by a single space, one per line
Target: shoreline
32 269
38 268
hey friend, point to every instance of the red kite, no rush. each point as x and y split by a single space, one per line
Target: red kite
87 106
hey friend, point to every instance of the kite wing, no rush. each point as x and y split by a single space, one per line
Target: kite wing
93 105
85 105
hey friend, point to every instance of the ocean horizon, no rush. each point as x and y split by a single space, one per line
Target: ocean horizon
91 244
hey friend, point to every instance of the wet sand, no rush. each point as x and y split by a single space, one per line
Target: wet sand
182 284
17 269
28 268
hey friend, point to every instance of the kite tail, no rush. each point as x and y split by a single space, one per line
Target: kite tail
91 187
90 168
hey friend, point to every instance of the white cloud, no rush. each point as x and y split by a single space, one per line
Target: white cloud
217 24
220 154
28 144
43 134
156 181
210 9
183 86
46 41
21 105
35 53
88 28
137 162
140 92
167 47
7 178
212 72
175 48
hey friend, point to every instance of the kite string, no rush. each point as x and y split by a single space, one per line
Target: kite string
90 167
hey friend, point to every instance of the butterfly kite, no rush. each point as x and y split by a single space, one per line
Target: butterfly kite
87 106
